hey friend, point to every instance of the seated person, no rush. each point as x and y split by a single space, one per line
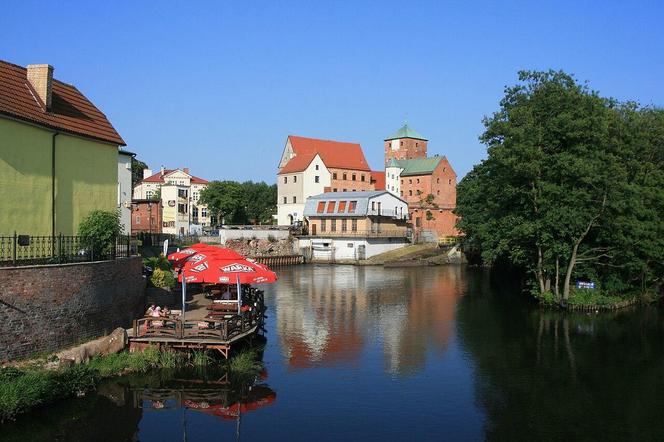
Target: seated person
165 312
156 313
227 295
149 311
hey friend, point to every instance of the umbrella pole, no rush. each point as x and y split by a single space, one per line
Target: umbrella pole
239 294
184 295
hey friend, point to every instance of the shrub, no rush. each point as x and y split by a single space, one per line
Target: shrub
100 229
158 262
162 278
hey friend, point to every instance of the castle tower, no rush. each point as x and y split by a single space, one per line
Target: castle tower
406 144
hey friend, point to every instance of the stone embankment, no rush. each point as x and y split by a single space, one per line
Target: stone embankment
261 247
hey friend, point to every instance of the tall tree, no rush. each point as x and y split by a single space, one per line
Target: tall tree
137 167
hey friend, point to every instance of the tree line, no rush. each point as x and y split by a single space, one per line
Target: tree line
231 202
572 189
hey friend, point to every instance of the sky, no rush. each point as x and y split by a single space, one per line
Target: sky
218 86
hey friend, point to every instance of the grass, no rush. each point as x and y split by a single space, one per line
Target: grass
22 389
582 297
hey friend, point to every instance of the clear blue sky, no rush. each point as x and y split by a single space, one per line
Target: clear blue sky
218 86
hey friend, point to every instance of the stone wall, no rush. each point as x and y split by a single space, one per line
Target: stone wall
46 308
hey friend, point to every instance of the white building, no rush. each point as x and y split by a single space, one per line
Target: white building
347 226
179 192
124 189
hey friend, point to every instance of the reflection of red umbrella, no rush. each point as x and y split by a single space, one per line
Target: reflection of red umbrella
259 396
216 268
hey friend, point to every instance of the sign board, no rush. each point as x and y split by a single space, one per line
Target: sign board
585 285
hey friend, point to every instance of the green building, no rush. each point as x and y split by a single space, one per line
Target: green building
58 154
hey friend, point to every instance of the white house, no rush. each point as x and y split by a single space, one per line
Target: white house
124 189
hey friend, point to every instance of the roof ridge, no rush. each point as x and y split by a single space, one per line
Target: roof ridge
323 139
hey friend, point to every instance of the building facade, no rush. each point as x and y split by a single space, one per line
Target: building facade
179 195
354 225
310 166
146 216
58 154
427 183
124 189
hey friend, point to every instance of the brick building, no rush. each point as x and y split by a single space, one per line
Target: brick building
428 184
146 216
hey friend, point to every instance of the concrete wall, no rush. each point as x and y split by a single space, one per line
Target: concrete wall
85 171
47 308
230 234
328 249
124 191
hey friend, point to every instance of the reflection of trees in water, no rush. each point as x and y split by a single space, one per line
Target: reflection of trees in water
325 314
550 375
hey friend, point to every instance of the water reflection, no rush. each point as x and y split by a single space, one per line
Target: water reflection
327 314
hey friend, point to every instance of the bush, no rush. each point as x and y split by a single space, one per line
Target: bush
158 262
162 278
100 230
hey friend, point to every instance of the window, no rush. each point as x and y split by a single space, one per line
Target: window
285 200
417 144
294 199
410 193
418 222
401 192
353 177
401 143
437 180
353 225
194 212
316 166
352 206
334 176
333 225
295 178
450 182
182 193
148 194
418 181
345 190
410 181
321 207
353 190
342 207
345 177
362 177
182 208
323 225
402 182
285 180
316 179
204 212
330 206
138 220
373 206
344 225
437 192
334 190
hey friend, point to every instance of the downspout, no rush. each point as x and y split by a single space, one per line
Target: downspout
55 134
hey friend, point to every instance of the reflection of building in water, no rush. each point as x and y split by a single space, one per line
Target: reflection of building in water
326 314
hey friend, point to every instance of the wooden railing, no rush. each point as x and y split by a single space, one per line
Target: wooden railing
217 329
282 260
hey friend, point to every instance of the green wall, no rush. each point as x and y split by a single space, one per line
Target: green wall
86 179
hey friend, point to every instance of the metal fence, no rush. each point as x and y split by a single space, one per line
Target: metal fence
23 250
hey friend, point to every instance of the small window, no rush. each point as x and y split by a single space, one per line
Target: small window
316 166
410 181
285 180
285 200
330 206
334 176
353 177
323 225
373 206
294 199
344 225
352 206
295 178
345 190
321 207
353 225
418 181
450 182
402 182
345 177
437 192
333 225
401 192
138 220
401 143
361 177
410 193
342 207
317 179
334 190
437 180
350 245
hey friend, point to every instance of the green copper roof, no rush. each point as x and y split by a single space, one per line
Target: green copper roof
393 163
406 132
417 166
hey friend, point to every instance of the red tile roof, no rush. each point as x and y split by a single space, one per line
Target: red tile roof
70 110
335 154
159 178
378 179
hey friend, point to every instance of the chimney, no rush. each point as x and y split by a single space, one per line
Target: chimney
147 173
186 170
162 170
40 77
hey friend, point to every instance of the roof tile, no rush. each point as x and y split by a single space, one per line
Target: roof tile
335 154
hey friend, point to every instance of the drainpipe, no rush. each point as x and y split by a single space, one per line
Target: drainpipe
55 134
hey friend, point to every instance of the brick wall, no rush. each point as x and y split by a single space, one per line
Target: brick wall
46 308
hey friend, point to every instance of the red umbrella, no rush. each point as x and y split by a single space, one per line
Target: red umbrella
216 268
200 251
259 396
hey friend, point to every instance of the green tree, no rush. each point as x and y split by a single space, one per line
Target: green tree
99 231
137 167
553 196
225 200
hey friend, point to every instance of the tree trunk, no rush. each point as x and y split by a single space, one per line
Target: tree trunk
540 271
570 268
557 287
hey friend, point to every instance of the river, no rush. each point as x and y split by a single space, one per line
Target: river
367 353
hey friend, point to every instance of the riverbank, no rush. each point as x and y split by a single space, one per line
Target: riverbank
34 384
589 300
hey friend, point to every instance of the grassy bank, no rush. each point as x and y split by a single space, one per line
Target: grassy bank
582 299
33 386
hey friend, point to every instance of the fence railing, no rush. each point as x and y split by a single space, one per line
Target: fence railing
24 250
361 233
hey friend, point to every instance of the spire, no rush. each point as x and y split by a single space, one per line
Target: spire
406 132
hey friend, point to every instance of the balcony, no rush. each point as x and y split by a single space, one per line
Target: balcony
360 234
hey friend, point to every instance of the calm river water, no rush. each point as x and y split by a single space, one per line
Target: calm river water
366 353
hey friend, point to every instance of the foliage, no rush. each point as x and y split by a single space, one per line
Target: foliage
246 361
137 168
241 203
201 358
100 230
162 278
158 262
569 189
